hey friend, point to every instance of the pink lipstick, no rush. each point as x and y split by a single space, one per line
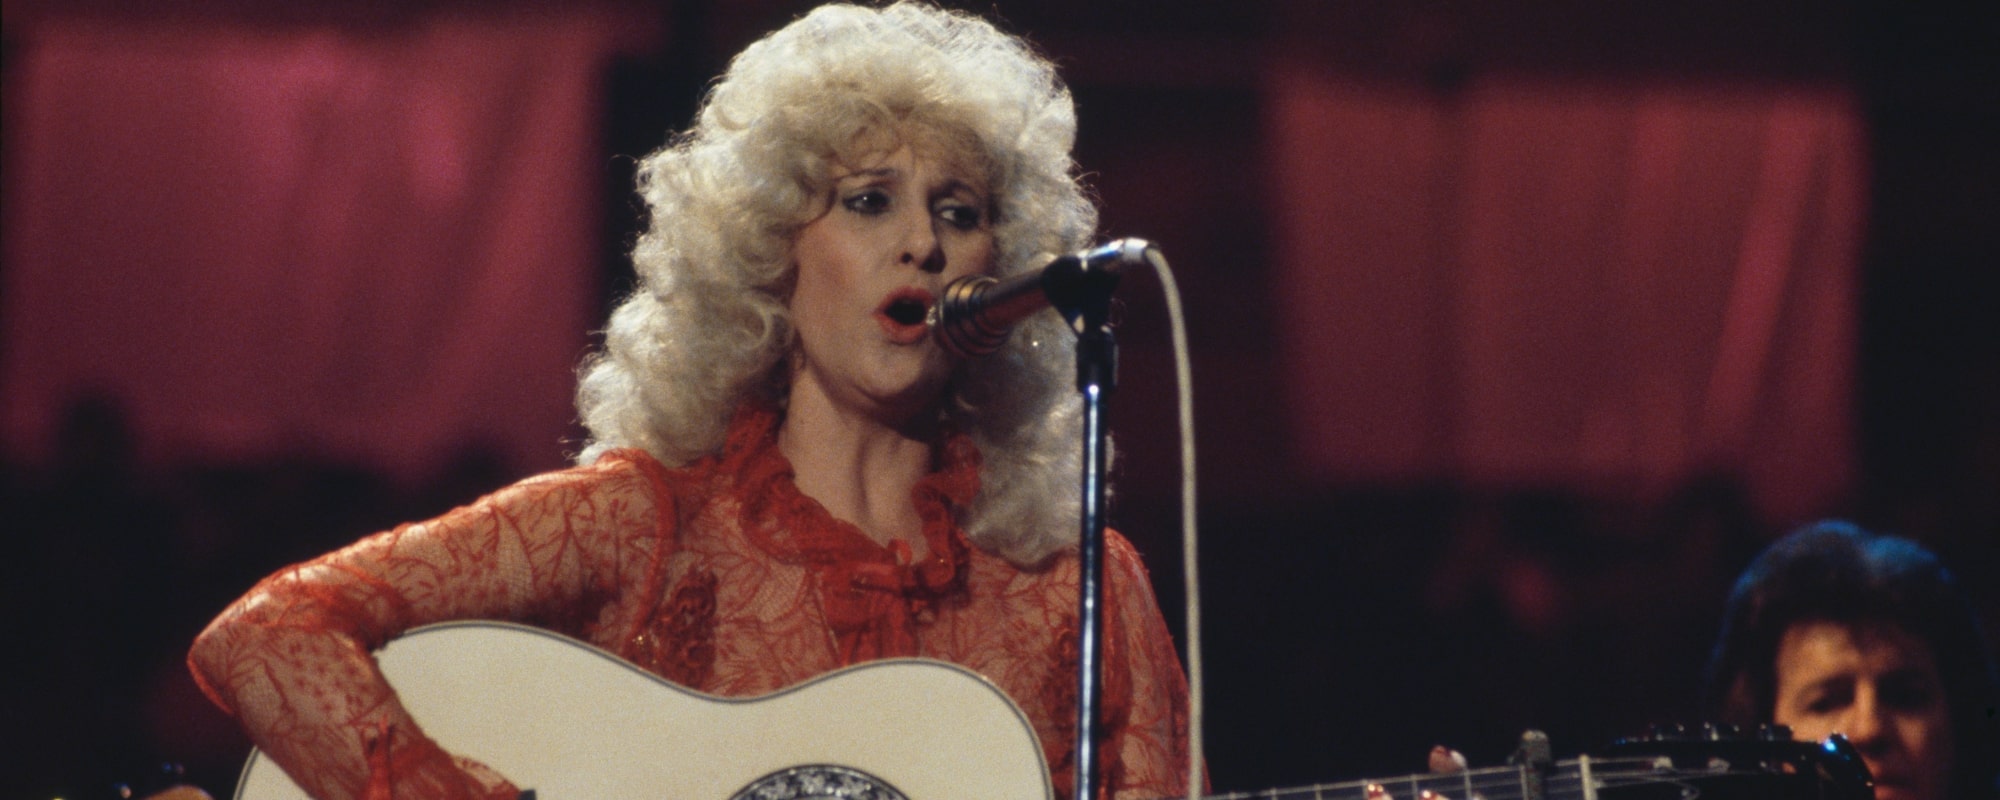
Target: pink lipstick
902 314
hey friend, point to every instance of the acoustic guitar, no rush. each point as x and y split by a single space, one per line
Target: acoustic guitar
569 721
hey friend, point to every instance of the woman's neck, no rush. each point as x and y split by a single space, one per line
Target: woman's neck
862 469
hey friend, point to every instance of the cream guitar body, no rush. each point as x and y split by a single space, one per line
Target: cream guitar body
572 722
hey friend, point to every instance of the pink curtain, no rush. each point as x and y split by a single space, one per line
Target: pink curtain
375 244
1549 282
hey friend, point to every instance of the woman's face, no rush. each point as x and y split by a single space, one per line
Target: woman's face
901 224
1878 685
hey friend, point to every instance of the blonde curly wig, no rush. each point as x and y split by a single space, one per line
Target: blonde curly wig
706 329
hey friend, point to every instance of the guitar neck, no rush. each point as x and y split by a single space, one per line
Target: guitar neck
1575 779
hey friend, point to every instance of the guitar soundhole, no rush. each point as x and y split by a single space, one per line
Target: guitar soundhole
819 782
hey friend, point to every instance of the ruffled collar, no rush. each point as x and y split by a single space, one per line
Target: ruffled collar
875 597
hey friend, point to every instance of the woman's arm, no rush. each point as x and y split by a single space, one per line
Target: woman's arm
292 659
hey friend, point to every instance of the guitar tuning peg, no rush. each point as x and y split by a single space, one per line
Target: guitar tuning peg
1773 732
1718 732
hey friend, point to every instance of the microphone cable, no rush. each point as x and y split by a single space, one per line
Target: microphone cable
1190 539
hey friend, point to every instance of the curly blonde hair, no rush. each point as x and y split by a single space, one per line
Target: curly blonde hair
706 329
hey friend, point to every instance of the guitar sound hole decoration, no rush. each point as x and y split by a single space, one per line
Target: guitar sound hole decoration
819 782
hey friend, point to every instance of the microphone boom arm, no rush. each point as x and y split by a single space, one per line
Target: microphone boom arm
976 312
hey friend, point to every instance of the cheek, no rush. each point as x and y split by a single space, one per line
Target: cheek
822 285
1806 727
969 255
1927 734
803 304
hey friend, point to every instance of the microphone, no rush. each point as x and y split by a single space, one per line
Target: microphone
976 312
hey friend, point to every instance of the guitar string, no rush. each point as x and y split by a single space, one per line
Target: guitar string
1490 783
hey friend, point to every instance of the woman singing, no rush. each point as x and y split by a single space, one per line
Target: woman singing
785 474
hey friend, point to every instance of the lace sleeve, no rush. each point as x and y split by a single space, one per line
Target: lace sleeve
292 658
1150 742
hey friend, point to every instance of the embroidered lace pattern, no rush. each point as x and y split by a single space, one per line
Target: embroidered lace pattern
720 576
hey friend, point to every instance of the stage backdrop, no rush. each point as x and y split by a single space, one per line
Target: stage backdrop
368 242
1547 281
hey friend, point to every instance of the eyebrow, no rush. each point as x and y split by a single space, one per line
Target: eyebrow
1906 673
1828 682
950 186
956 185
868 174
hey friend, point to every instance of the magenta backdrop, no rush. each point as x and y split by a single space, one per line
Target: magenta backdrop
369 244
1615 287
382 244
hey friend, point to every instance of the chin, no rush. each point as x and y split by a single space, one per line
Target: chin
1898 790
910 401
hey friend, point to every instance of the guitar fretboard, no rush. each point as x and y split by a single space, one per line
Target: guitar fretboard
1576 779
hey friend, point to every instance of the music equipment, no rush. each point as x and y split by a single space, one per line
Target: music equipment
573 722
976 312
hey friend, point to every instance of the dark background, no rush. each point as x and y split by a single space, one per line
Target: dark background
1348 627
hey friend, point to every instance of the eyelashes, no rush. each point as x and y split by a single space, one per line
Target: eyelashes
875 201
963 217
867 202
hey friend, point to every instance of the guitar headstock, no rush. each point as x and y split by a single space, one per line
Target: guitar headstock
1833 768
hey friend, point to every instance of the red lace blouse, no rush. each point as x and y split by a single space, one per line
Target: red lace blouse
720 576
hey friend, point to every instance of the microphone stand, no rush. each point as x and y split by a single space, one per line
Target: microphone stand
973 320
1088 310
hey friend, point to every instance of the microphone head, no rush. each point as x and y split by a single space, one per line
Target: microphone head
975 313
960 320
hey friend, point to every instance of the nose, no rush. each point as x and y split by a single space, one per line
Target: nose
1863 723
921 246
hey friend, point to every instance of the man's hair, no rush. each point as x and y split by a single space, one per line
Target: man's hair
1834 571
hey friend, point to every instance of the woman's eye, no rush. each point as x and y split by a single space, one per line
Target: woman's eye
961 217
869 201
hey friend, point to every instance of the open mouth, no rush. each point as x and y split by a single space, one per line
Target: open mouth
903 314
906 311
